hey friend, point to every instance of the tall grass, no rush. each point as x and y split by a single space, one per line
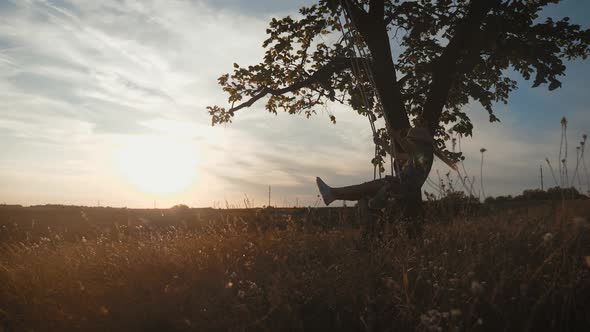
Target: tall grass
563 154
483 192
515 270
564 176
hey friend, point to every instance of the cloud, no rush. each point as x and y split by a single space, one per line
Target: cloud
79 79
259 8
78 76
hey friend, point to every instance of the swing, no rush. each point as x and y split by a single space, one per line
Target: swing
359 50
366 214
420 135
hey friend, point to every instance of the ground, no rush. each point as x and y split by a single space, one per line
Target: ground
100 269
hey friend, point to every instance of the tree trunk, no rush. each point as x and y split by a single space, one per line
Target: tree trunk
394 110
374 32
395 116
413 213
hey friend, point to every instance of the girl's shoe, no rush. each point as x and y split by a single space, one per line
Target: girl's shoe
325 191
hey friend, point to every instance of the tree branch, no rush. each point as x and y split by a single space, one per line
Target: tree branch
358 15
390 19
377 9
321 75
446 66
402 81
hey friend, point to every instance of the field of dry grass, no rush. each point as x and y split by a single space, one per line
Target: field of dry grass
524 269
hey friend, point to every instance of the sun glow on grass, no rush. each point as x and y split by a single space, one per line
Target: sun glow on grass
158 165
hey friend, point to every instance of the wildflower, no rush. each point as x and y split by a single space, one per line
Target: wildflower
476 288
547 237
431 321
456 313
103 310
388 282
229 284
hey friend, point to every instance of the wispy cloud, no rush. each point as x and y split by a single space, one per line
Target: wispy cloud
80 79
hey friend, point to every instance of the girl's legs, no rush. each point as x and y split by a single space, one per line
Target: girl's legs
350 193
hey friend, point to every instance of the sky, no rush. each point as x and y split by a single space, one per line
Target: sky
104 103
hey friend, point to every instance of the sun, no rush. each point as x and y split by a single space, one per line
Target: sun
158 165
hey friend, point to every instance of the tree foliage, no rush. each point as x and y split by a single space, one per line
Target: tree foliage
429 59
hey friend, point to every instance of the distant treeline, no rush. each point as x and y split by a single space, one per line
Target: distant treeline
555 193
455 203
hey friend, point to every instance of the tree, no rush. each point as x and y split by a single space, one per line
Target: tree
450 52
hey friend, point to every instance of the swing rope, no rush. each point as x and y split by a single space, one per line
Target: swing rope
363 55
356 71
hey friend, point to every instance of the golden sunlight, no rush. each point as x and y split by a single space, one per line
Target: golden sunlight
158 165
